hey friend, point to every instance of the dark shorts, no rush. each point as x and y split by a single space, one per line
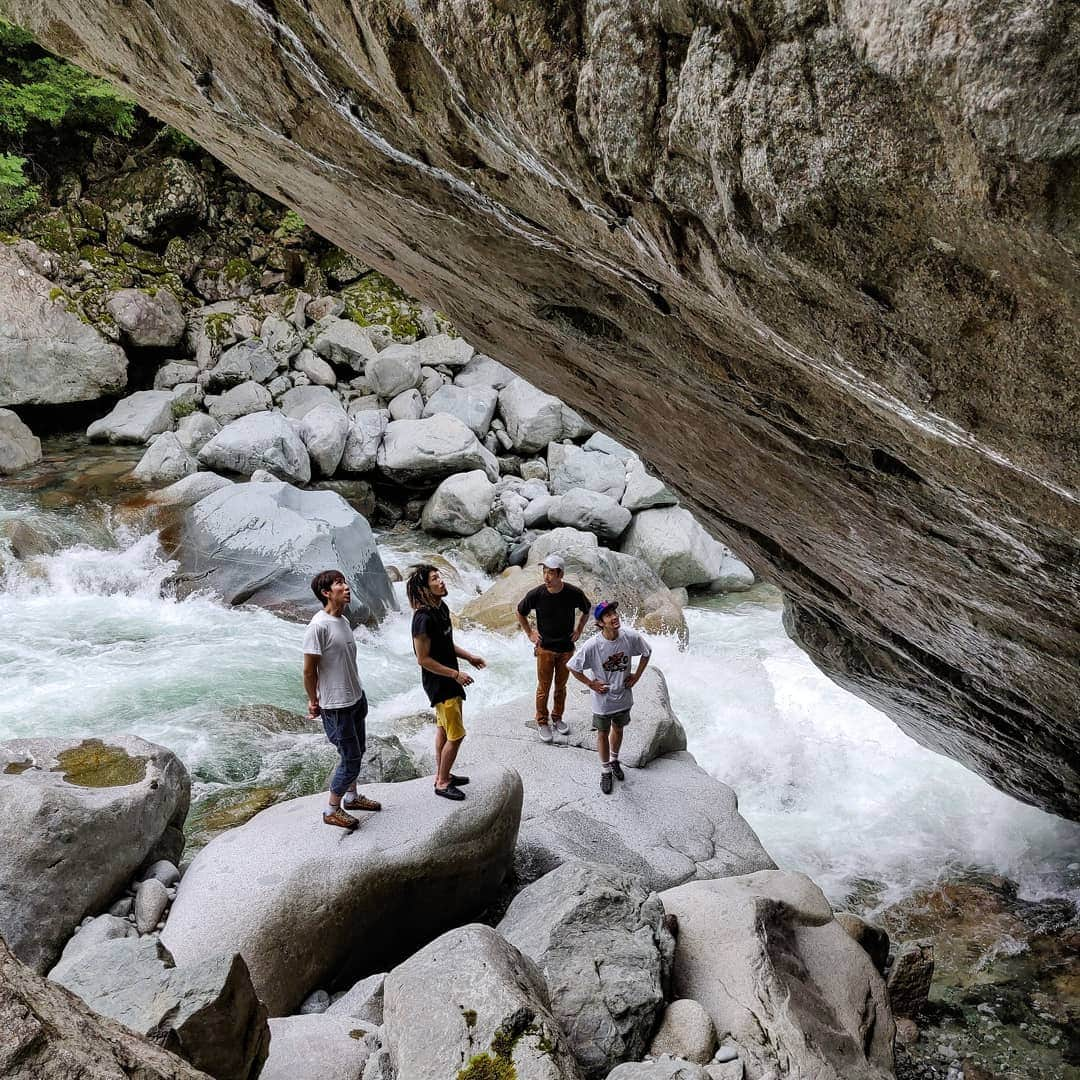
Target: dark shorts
603 721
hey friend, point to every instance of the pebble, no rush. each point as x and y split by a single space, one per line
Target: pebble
123 907
150 903
725 1053
316 1002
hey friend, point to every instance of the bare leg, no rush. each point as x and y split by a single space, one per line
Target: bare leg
602 746
616 740
440 745
447 756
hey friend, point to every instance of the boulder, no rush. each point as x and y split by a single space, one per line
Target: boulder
431 380
280 336
460 504
317 1048
50 1033
262 440
602 573
247 361
588 511
575 426
598 936
571 467
873 939
88 936
135 419
264 889
426 451
781 978
442 350
388 761
408 405
261 543
174 373
672 542
362 1001
324 430
485 1009
190 393
686 1031
734 575
195 430
473 406
909 978
163 199
605 444
243 400
318 371
300 400
486 548
19 446
533 419
364 440
147 320
395 369
189 490
341 341
643 492
207 1011
664 1068
166 460
483 371
151 900
78 818
670 821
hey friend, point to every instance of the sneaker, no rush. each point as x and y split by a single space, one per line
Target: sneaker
457 781
362 802
450 792
561 726
605 782
616 771
545 732
341 820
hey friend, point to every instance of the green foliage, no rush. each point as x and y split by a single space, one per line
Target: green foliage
17 193
180 409
292 224
39 91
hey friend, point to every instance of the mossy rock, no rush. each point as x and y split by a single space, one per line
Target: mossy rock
375 300
94 764
342 268
53 231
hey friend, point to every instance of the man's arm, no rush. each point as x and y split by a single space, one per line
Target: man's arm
643 663
422 648
580 628
579 674
527 628
311 683
476 661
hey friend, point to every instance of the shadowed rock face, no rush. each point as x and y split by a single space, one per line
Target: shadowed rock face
815 260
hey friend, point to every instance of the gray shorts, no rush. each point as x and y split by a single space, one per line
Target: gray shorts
603 721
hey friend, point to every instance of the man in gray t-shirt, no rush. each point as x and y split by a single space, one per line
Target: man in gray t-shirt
606 656
335 693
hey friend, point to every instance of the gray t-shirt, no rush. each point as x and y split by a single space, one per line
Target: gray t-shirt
609 661
330 638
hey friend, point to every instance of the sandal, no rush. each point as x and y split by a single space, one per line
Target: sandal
361 802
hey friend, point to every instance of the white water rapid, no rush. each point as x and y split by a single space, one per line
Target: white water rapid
832 787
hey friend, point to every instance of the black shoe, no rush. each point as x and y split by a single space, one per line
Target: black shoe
458 781
605 782
450 792
616 771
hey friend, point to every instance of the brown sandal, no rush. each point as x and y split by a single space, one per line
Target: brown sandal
362 802
341 819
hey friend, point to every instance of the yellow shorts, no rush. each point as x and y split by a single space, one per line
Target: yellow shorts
448 716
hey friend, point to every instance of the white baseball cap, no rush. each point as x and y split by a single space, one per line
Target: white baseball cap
553 562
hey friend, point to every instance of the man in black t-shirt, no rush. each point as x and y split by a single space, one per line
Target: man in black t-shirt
555 603
437 655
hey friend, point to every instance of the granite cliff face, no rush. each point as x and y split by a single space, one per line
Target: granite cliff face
815 259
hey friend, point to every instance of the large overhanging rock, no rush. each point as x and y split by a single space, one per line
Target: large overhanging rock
815 262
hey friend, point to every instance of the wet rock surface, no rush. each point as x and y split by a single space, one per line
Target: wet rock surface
828 260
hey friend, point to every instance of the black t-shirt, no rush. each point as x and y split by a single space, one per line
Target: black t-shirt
554 614
435 624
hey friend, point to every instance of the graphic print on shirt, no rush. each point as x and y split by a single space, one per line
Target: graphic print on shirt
619 661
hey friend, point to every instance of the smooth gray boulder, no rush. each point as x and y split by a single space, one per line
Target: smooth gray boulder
324 430
189 490
363 1001
672 542
300 400
164 871
151 900
243 400
147 321
19 446
459 505
395 369
247 361
174 373
643 492
664 1068
48 353
317 1047
425 451
318 371
598 936
89 936
588 511
442 350
262 440
484 1005
166 460
261 543
78 818
605 444
482 370
408 405
533 419
341 341
135 419
264 889
575 426
686 1031
571 467
473 406
195 430
781 978
486 548
280 336
207 1011
366 431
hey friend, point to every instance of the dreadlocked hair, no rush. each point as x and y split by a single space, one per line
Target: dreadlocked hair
417 589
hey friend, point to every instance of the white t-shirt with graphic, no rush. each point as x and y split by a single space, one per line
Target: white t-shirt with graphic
609 661
330 638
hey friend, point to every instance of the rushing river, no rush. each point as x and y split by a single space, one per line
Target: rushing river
832 787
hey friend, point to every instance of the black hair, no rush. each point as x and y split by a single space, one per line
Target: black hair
322 581
417 588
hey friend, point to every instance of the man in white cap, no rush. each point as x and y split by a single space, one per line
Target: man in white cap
553 638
